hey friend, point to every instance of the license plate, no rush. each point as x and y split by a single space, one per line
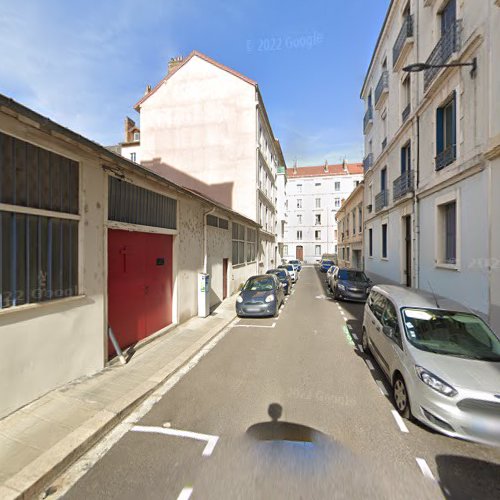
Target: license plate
253 309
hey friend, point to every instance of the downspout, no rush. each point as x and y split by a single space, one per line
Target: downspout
205 239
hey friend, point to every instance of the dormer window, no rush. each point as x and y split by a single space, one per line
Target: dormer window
137 136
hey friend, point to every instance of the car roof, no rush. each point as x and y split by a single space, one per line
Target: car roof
411 297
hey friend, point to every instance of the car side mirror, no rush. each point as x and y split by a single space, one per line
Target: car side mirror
388 332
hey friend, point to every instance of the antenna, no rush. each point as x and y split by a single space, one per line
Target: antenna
434 295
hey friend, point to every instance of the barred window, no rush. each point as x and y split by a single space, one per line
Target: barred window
238 244
214 221
38 253
251 245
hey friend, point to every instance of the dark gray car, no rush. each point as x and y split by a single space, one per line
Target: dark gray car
350 284
261 296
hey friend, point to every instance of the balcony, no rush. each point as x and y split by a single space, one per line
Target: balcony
403 185
447 45
406 113
381 200
384 144
403 42
368 120
368 162
382 89
445 157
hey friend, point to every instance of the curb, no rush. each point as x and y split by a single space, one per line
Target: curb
39 474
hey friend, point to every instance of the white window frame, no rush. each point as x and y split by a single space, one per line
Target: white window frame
439 231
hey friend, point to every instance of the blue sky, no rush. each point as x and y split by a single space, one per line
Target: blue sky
84 64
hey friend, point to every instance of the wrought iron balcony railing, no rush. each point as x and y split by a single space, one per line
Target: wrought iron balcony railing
447 45
382 86
406 113
368 119
405 33
402 185
445 157
381 200
368 161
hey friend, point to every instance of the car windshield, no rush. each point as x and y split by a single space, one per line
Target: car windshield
294 262
350 275
260 284
451 333
327 263
277 272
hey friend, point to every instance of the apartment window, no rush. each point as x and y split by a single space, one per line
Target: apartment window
447 214
299 219
317 250
384 129
337 202
38 252
406 158
133 157
251 245
356 183
446 131
299 188
335 234
348 254
370 242
285 249
317 219
317 184
299 235
317 235
360 219
137 136
318 202
343 253
383 179
299 203
384 241
354 221
238 244
405 98
337 186
336 249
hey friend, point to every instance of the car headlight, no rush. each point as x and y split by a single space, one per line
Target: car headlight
270 298
239 299
341 286
435 382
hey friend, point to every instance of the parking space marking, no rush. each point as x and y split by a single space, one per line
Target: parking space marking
426 470
207 451
353 334
382 388
369 364
348 336
399 421
360 349
185 494
255 326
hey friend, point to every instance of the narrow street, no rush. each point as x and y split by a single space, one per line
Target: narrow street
348 443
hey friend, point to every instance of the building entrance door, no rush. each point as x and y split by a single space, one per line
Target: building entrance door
407 224
299 252
139 285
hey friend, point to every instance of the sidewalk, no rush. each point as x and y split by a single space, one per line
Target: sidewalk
42 439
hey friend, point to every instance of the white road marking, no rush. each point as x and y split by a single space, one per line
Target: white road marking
66 481
426 470
399 421
185 494
211 440
382 388
255 326
369 364
360 348
354 336
349 326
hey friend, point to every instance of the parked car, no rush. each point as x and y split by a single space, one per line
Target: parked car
291 271
284 278
441 360
349 284
324 265
329 273
296 263
261 296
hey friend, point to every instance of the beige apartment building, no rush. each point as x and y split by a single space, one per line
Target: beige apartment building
432 144
204 126
350 227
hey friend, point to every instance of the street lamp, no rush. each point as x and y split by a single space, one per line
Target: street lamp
416 67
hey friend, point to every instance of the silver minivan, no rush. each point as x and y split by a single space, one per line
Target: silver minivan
443 361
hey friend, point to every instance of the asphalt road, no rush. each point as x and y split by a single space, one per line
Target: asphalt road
288 408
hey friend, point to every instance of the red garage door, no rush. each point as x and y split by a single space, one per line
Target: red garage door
139 285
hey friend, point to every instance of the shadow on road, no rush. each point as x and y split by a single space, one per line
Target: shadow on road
455 475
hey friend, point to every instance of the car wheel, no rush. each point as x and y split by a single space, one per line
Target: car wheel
401 398
364 342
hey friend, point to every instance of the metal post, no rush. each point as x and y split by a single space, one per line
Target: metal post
116 346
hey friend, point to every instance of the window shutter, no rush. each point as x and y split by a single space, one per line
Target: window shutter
439 130
454 119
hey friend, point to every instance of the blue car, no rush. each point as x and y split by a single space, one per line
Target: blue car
325 265
297 263
261 296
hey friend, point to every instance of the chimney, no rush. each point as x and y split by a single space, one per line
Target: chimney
148 90
173 63
344 166
325 168
129 125
295 167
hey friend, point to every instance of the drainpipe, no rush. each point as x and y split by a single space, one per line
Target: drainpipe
416 210
205 239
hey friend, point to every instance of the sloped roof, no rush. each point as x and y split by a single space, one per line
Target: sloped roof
319 171
188 58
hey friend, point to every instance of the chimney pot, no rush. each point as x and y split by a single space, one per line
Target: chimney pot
173 63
